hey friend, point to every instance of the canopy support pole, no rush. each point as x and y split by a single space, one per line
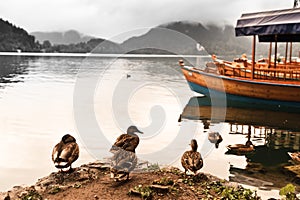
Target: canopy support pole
291 51
286 52
270 53
275 56
253 56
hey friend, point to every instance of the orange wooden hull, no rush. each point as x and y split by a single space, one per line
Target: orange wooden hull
202 82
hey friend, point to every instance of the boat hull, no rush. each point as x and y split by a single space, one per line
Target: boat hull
242 89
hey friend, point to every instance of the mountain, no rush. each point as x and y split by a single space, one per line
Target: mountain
13 38
172 38
68 37
186 37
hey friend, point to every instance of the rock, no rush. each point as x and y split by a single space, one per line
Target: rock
160 187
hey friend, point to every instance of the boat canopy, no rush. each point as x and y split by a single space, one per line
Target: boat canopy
271 26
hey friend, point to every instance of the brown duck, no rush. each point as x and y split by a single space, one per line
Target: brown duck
124 159
122 163
128 141
192 160
241 149
65 152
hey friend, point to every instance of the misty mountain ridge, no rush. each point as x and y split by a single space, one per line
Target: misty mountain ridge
171 38
215 39
67 37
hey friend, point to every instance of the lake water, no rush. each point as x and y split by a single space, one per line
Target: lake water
96 98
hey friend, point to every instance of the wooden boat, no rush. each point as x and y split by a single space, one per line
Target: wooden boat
259 81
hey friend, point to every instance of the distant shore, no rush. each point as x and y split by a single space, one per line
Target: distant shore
97 55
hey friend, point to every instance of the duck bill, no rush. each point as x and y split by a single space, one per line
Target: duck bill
138 131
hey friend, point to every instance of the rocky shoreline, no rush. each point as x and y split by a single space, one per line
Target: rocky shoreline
92 181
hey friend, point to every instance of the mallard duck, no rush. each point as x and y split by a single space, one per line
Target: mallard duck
122 163
241 148
295 157
128 141
192 160
124 159
215 138
65 152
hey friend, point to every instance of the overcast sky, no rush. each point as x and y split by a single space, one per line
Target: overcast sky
109 18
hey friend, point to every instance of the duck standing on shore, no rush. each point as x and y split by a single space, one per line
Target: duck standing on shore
192 160
124 158
128 141
65 153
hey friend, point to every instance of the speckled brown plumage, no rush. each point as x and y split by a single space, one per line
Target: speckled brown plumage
192 160
123 162
124 158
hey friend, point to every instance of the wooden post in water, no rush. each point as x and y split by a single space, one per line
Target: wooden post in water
253 56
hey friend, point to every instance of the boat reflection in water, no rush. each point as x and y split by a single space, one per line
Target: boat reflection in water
273 130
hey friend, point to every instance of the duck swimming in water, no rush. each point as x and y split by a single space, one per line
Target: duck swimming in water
124 159
65 152
241 149
192 160
215 138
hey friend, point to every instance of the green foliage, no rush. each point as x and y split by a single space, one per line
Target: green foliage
55 190
230 193
288 191
164 181
145 192
32 195
152 167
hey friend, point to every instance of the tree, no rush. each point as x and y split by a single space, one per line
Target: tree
46 44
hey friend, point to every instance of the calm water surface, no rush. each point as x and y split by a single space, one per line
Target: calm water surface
96 99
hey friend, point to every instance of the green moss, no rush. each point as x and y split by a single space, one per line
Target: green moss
32 195
164 181
55 190
152 167
288 191
145 192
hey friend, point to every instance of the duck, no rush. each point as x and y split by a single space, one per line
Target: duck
65 153
192 160
241 148
295 157
122 163
215 138
128 141
124 158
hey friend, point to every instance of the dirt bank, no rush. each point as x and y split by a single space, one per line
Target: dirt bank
92 181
